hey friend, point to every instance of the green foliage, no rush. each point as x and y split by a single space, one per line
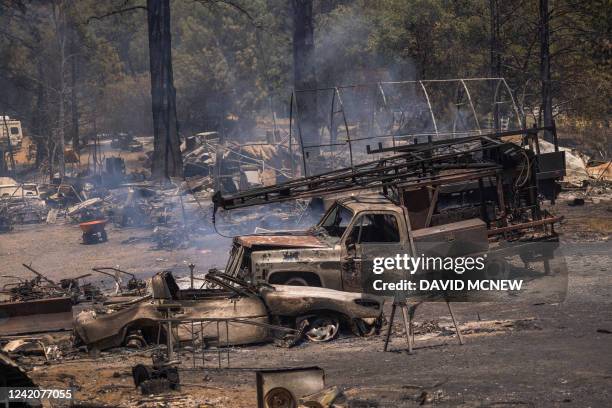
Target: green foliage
233 58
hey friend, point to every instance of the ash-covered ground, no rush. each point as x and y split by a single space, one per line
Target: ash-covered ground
515 354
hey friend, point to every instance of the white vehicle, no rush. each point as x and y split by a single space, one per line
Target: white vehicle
12 127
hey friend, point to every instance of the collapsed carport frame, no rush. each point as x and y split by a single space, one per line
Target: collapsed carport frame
170 325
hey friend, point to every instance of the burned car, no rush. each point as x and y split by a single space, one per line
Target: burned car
21 202
248 311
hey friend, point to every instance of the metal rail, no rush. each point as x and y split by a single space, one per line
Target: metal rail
199 344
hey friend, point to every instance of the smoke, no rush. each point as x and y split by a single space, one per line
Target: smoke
344 58
344 53
354 114
287 216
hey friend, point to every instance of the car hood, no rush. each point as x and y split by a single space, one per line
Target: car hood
284 300
281 241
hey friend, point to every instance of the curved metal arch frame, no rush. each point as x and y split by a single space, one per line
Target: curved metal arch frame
433 116
467 91
348 134
380 87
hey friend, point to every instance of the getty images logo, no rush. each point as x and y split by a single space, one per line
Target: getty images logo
405 262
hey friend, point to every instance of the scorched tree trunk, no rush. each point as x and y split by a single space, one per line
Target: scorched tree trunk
305 78
167 160
547 111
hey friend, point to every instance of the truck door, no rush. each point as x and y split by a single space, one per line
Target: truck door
372 235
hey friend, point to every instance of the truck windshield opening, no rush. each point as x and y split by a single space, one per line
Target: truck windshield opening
337 220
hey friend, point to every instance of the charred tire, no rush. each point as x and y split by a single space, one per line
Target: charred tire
135 340
279 397
323 328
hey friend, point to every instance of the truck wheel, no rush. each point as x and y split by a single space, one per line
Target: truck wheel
135 341
296 281
279 398
323 328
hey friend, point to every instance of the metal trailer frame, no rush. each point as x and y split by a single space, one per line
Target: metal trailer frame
409 161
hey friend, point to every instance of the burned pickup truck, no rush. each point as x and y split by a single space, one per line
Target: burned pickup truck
339 250
250 312
457 197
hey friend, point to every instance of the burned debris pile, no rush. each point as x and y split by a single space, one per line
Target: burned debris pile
214 163
199 154
41 287
176 212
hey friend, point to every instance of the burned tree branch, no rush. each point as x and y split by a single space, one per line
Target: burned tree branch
115 12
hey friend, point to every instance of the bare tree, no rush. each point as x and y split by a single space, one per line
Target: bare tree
167 159
58 17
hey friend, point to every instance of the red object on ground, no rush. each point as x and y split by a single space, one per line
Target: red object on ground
91 227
